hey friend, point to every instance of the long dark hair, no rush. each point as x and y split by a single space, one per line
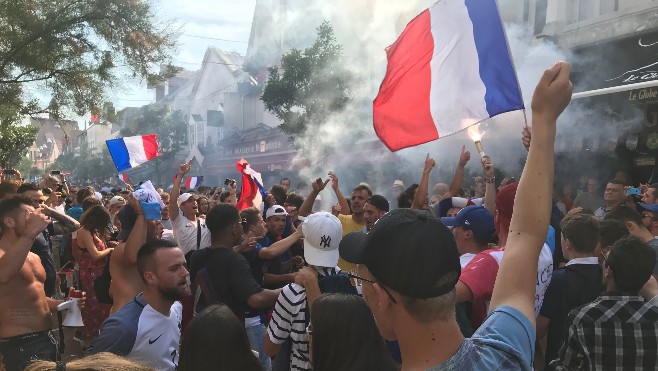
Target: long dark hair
216 340
345 336
96 220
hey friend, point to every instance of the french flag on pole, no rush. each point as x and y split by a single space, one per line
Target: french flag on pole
123 177
129 152
253 193
450 68
193 181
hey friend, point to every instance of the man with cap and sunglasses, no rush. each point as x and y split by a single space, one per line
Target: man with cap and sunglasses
410 265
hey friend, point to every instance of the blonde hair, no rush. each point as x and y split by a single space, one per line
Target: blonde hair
96 362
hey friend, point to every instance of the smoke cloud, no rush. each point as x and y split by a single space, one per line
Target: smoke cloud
365 29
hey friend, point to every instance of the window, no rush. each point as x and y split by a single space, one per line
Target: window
540 15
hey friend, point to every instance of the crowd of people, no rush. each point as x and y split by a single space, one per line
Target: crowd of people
503 275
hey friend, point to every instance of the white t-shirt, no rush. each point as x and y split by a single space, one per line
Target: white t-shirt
142 334
185 233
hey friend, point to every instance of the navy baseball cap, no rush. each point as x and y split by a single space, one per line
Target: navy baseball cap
652 207
474 218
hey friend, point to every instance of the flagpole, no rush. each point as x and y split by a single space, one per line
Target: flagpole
615 89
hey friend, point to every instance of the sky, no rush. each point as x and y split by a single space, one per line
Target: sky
225 24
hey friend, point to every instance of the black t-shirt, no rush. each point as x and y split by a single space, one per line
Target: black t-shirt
42 248
571 286
230 277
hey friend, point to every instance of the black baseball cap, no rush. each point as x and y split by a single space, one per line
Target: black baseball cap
409 251
379 202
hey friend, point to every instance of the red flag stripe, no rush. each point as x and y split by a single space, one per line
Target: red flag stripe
406 88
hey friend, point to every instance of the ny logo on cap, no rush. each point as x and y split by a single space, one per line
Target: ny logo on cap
325 241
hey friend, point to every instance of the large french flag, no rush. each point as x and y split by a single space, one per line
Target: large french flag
450 68
193 181
129 152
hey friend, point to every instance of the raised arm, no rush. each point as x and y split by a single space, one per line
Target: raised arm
464 157
137 237
175 190
281 246
489 185
64 220
420 198
13 259
515 283
65 184
344 207
307 206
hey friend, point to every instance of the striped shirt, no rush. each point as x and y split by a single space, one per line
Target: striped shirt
290 319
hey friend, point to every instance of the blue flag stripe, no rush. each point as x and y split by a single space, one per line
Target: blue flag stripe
496 68
119 153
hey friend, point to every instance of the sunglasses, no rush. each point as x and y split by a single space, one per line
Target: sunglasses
358 279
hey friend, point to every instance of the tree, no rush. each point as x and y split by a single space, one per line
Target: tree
14 139
74 48
310 85
171 127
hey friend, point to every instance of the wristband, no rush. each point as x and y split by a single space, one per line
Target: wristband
491 181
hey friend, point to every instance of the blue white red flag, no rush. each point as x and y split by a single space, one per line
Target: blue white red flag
129 152
123 177
450 68
253 193
193 181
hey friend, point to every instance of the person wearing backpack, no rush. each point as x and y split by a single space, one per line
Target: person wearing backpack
322 235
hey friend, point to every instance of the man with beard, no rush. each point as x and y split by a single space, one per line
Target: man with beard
376 207
148 329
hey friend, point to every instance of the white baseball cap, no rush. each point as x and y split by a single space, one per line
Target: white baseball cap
184 197
322 234
275 210
117 200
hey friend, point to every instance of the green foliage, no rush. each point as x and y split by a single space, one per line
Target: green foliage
14 139
73 49
310 85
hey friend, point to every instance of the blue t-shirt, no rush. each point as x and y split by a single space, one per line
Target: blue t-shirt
505 341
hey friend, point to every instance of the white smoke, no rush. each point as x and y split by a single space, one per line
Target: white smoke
365 29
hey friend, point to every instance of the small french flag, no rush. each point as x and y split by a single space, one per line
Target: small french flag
123 177
129 152
193 181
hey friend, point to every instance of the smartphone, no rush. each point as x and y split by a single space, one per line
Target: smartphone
9 171
56 172
633 191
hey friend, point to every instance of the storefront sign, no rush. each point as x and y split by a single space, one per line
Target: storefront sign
643 95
